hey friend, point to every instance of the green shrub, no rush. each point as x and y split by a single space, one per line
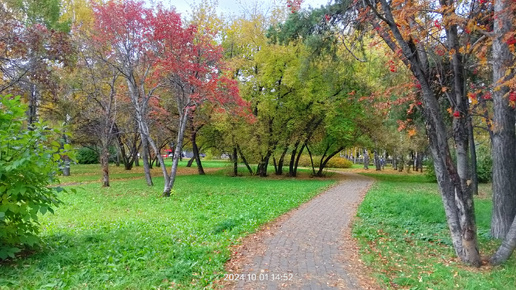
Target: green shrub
86 155
484 165
339 162
28 165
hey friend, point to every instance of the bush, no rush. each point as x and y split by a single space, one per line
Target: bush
484 165
86 155
335 162
339 162
28 166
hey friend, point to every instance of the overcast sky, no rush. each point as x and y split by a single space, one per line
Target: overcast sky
231 6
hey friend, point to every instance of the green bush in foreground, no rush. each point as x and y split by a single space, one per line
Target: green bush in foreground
28 164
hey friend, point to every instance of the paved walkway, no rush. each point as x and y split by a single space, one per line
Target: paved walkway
305 250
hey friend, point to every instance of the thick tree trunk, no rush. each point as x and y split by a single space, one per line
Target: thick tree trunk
503 136
66 165
473 158
507 247
263 164
145 160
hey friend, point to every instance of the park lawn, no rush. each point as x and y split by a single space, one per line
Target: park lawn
128 237
404 239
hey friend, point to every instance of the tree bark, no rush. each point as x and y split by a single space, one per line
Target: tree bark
145 161
504 252
503 136
323 163
195 148
104 162
311 159
183 119
279 170
244 160
293 154
235 162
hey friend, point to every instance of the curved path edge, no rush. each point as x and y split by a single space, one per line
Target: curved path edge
309 247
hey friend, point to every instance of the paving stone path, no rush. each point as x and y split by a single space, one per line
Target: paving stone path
305 251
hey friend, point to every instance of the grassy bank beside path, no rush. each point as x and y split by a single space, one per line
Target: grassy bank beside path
404 239
128 237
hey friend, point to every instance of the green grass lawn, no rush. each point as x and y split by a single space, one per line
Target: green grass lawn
128 237
404 238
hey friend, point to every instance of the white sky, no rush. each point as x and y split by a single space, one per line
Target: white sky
228 7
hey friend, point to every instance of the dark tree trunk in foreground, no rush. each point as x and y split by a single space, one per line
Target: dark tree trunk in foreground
503 136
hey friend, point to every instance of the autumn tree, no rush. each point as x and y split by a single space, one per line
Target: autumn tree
135 34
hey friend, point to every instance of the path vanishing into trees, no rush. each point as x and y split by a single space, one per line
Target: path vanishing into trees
308 248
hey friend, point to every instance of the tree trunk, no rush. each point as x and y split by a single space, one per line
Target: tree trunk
473 158
183 119
145 160
504 252
244 160
190 162
193 139
503 137
235 162
323 163
311 159
296 164
263 164
104 162
281 161
453 181
291 171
